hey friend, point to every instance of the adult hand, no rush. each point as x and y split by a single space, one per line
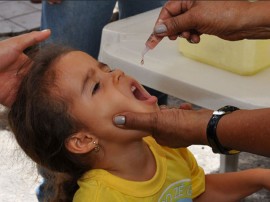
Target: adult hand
230 20
14 63
170 127
243 130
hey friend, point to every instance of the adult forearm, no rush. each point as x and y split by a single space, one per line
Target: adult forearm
246 130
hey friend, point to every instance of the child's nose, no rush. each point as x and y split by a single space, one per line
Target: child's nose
117 73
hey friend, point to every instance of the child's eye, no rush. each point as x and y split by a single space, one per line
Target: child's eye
96 88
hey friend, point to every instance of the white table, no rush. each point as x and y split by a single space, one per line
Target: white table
166 70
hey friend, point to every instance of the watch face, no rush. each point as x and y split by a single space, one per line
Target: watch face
218 112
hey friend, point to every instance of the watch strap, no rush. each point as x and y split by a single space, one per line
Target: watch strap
212 128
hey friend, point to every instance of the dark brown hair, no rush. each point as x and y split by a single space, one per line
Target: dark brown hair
40 120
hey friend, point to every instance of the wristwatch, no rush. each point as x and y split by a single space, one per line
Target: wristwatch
212 134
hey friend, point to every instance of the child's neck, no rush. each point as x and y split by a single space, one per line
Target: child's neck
132 162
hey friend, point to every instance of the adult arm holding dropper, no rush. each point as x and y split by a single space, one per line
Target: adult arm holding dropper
244 130
229 20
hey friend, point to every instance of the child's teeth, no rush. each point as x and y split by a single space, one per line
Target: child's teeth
133 88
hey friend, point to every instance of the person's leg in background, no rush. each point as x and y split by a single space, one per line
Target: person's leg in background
77 24
128 8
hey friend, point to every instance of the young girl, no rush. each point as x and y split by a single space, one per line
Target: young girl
62 119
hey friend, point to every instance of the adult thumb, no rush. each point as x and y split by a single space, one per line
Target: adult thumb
140 121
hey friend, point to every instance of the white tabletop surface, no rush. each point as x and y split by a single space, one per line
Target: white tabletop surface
165 69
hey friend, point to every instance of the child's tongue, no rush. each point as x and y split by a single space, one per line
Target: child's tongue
143 95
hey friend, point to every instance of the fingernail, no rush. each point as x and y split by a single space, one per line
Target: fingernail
45 30
161 28
191 41
119 120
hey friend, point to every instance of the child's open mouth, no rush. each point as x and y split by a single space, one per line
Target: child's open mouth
140 94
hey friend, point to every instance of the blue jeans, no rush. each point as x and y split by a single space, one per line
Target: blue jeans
79 24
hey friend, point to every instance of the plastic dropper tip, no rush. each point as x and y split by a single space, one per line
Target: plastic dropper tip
145 50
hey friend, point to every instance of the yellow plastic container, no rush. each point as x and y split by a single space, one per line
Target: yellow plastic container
245 57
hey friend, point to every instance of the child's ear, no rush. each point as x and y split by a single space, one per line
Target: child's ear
81 142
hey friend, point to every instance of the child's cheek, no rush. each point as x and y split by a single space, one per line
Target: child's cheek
108 106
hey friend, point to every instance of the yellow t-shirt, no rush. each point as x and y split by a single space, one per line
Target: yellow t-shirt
178 178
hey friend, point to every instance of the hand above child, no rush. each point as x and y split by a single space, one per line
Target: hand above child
230 20
14 63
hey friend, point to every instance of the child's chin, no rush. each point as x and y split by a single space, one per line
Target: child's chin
140 108
149 109
156 108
